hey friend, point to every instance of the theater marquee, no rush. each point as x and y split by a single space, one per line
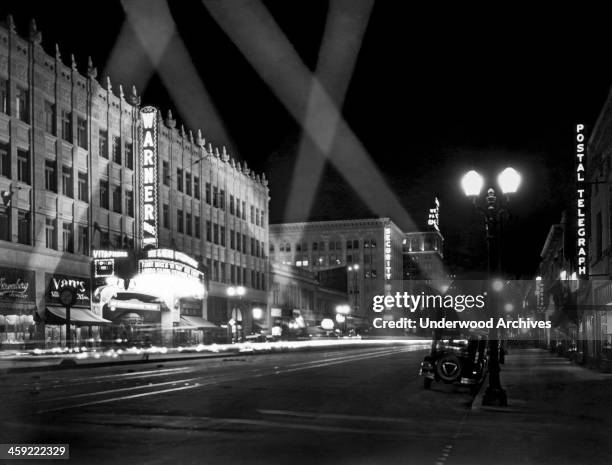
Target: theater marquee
148 177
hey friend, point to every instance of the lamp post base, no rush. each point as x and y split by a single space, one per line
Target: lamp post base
495 397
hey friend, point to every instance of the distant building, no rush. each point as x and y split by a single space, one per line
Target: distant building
370 249
423 256
297 295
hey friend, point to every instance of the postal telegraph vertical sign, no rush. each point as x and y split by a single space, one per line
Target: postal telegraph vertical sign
581 230
148 177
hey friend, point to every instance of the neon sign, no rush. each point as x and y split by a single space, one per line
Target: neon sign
148 176
581 246
387 253
434 216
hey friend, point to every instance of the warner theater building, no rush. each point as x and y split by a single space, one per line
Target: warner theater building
154 227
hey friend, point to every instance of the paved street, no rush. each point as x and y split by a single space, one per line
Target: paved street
359 406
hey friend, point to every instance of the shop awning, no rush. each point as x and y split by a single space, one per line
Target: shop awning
197 322
78 316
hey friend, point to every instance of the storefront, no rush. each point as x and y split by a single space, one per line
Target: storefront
85 324
17 308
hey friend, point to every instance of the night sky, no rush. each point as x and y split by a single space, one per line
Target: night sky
434 93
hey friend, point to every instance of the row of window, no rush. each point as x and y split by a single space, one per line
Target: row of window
23 163
320 246
190 185
218 271
66 120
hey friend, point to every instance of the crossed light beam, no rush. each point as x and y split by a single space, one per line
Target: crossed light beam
313 100
344 28
149 27
279 65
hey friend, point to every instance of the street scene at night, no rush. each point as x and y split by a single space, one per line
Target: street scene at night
320 232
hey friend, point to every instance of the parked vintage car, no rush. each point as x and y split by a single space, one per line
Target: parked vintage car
456 359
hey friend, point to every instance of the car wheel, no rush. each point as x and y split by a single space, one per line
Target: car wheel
427 383
448 368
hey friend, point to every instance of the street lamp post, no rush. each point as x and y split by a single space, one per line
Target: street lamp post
472 183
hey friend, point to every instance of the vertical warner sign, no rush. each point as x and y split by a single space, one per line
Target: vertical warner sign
148 177
581 230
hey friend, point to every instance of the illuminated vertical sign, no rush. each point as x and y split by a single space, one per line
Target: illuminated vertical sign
387 254
581 229
148 177
434 216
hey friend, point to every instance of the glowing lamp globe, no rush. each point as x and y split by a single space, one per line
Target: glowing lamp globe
509 180
472 183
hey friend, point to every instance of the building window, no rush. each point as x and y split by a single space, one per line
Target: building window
188 225
83 240
21 104
187 183
23 166
216 233
104 194
252 214
83 189
244 243
232 274
179 179
262 223
237 207
117 199
129 155
166 173
116 148
5 225
50 233
166 215
67 237
222 199
243 210
196 187
355 244
50 118
4 96
82 133
215 202
129 203
103 143
257 216
50 176
252 246
5 160
208 231
238 245
67 125
23 227
208 193
222 233
272 248
179 221
196 226
232 241
67 187
231 206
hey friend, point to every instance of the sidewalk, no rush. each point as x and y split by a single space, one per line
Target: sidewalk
558 413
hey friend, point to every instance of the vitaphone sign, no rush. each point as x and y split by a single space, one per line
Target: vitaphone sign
581 230
148 176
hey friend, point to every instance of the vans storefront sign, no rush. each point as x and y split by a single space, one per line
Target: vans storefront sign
81 285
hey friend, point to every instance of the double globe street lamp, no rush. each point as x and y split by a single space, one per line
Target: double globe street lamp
493 211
